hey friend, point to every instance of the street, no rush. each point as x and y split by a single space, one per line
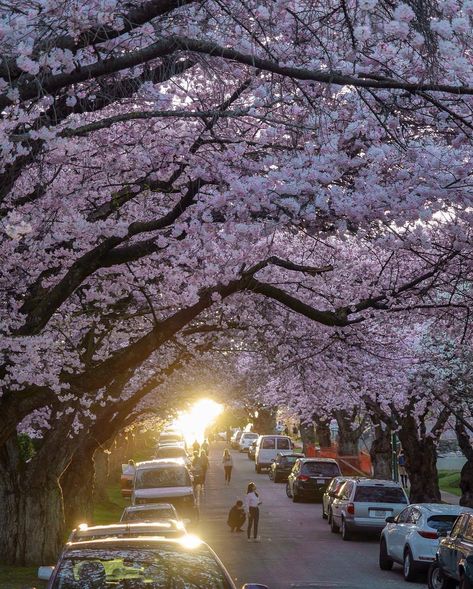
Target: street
297 548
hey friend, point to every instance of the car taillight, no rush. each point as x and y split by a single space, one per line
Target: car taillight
428 535
351 508
303 477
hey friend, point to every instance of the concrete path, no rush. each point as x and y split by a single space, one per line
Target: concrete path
297 548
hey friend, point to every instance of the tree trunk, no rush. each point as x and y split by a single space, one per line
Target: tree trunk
265 423
348 434
322 433
32 529
307 434
421 463
102 473
381 453
466 476
78 483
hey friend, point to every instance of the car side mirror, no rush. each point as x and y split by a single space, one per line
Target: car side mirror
45 573
254 586
391 520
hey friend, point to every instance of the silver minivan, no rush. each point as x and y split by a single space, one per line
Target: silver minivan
362 505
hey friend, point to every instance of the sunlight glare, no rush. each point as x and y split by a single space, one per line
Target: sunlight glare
200 416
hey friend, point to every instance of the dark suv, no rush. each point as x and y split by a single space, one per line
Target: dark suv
310 478
454 561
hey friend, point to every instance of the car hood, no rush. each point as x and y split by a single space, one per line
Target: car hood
164 492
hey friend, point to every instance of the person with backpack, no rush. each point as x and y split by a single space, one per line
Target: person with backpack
236 517
227 466
252 503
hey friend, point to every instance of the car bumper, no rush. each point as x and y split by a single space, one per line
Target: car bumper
365 524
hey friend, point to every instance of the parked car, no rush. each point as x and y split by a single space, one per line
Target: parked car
362 505
235 439
252 450
246 439
149 513
310 477
132 563
268 447
167 481
172 451
282 466
85 533
412 537
453 563
126 479
330 493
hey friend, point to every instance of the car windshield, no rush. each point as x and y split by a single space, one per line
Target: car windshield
441 522
171 452
323 469
162 477
165 567
149 515
375 494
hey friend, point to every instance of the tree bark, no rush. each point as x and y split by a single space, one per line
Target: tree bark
307 431
466 476
381 453
322 432
421 462
348 433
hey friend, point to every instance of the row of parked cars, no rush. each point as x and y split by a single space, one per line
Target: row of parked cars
150 547
432 537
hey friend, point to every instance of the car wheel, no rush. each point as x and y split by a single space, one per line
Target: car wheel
437 580
324 515
276 479
333 526
409 568
385 562
288 490
295 496
346 534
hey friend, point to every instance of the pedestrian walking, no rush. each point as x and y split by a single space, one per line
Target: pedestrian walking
227 465
252 503
205 446
236 517
204 464
196 446
401 463
197 471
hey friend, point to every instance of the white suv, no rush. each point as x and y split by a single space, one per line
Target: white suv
268 447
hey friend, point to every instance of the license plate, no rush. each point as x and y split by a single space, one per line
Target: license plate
320 481
378 513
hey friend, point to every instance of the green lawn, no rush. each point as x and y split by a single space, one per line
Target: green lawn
19 578
449 482
110 509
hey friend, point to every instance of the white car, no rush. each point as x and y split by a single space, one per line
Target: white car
411 538
246 439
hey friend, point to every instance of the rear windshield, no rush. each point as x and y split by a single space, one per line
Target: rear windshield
171 453
268 444
170 438
442 522
367 494
149 515
162 477
288 459
284 444
323 469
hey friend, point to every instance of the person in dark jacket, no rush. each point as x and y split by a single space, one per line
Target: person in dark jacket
236 517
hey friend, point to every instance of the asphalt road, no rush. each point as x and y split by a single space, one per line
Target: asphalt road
297 548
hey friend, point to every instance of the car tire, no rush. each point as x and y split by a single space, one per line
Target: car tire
324 515
288 490
437 580
410 569
295 496
276 479
346 534
385 561
333 526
